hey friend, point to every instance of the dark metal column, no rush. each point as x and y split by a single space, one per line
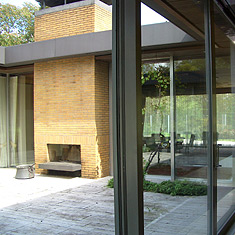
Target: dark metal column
127 130
211 93
232 61
173 117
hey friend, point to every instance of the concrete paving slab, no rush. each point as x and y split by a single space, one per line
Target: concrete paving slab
62 205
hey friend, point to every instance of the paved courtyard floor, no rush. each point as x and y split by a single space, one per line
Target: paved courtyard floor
62 205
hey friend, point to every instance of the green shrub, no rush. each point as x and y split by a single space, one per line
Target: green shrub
146 149
181 188
150 186
110 183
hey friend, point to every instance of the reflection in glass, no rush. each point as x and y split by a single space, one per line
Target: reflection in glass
190 146
3 122
16 119
225 98
191 135
156 115
191 119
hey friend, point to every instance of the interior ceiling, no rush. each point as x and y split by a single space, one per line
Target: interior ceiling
24 69
189 16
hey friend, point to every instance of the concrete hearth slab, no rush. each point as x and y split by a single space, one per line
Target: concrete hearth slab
60 166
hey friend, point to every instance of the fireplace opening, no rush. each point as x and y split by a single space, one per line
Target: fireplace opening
64 153
63 157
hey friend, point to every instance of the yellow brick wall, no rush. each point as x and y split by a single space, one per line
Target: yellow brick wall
102 116
75 21
103 19
71 107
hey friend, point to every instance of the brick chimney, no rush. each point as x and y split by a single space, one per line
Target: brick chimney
72 19
71 95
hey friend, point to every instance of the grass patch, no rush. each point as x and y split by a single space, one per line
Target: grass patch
181 188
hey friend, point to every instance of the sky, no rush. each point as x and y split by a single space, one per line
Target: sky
148 16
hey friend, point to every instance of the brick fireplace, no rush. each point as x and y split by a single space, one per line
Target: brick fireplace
63 157
71 97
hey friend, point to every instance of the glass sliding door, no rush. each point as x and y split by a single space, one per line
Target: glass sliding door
16 120
225 98
191 119
156 118
13 94
191 128
4 161
29 116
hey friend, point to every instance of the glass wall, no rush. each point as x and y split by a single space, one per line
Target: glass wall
16 120
156 117
191 128
191 119
191 156
3 121
225 98
198 141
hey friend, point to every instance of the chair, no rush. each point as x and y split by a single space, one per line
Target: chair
190 144
150 143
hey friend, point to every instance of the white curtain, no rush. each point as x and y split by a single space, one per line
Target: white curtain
3 123
13 82
17 122
21 121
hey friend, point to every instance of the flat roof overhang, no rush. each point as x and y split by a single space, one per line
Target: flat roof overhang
188 15
171 38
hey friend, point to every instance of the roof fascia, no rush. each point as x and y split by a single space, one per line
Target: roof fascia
2 55
100 43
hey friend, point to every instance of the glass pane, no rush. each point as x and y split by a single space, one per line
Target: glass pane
16 118
225 88
191 150
21 137
3 122
156 116
191 119
191 132
165 213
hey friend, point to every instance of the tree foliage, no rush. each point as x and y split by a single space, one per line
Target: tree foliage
159 74
190 65
17 24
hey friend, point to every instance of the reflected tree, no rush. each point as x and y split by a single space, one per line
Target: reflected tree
157 75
